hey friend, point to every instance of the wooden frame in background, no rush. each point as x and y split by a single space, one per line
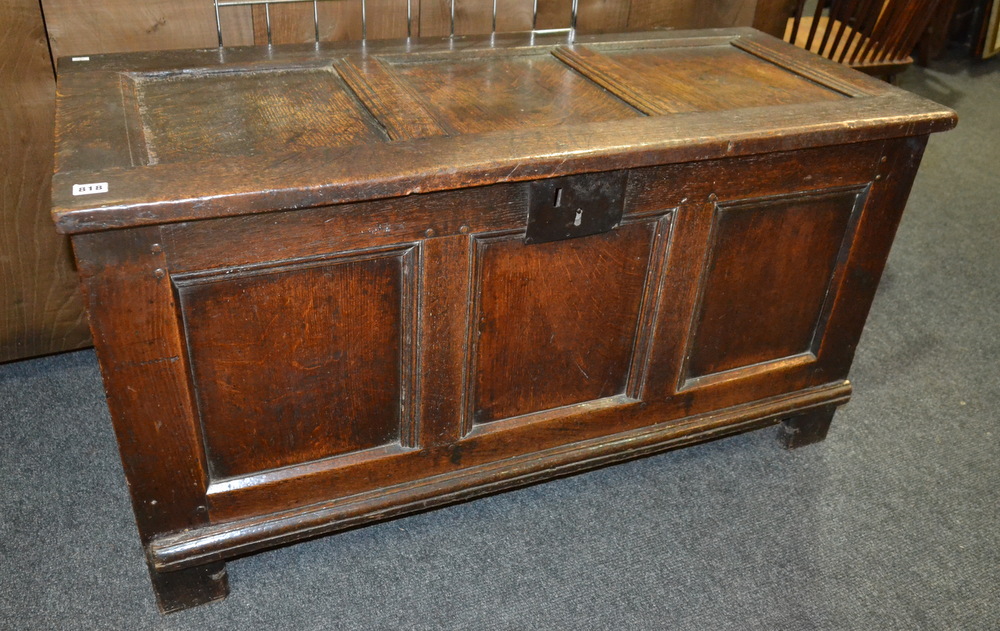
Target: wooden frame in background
991 27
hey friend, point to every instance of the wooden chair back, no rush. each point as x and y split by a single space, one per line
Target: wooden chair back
875 36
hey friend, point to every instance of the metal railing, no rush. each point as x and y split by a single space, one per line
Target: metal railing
222 4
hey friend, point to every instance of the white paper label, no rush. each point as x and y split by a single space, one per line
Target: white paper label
85 58
90 189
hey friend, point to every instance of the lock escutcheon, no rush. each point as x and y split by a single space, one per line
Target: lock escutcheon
575 206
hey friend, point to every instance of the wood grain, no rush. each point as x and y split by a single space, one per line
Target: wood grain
295 110
40 307
189 549
770 16
690 14
493 94
110 26
794 242
338 20
394 105
714 78
337 323
145 371
556 322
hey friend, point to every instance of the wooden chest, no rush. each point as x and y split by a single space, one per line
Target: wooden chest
336 284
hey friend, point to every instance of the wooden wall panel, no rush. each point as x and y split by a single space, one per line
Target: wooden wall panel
338 326
772 15
683 14
40 305
386 18
124 25
551 331
110 26
339 20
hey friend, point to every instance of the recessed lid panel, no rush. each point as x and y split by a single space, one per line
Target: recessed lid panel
184 116
508 92
715 78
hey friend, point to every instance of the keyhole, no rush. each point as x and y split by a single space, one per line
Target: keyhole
579 217
558 199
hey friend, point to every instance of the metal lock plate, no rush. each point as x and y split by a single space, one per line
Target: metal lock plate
575 206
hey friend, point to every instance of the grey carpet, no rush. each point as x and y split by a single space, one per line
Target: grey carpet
892 523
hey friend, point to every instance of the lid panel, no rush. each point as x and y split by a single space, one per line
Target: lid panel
714 78
185 116
176 136
496 92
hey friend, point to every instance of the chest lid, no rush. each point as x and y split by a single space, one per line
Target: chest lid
152 138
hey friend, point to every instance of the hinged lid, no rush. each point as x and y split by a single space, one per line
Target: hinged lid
171 136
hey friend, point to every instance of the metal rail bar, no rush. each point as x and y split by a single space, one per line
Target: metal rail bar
221 4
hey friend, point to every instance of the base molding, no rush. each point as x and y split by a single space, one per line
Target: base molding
217 542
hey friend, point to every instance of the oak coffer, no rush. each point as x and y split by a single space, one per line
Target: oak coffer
338 283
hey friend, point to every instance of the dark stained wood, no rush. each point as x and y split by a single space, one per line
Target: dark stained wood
807 428
608 16
189 587
392 103
555 323
141 349
685 14
710 78
445 283
192 246
337 327
796 61
770 266
349 317
614 77
935 37
697 189
113 26
876 229
328 175
294 109
107 26
770 16
188 549
338 20
478 95
40 307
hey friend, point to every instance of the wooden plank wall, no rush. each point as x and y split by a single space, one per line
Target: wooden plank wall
40 306
772 15
78 28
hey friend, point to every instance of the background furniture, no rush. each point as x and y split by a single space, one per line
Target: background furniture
874 36
988 42
40 307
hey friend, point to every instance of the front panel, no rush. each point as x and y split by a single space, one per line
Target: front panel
555 323
769 271
332 358
297 362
